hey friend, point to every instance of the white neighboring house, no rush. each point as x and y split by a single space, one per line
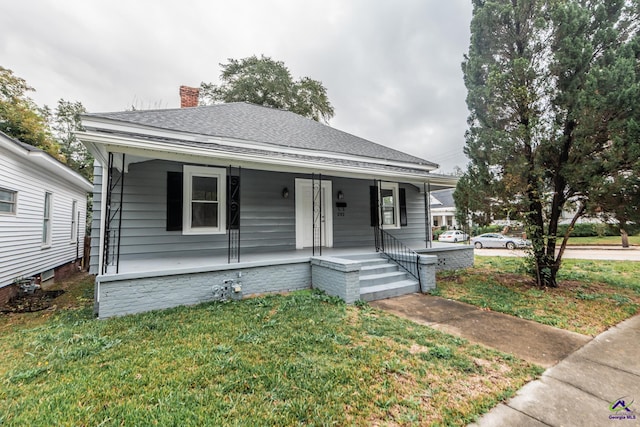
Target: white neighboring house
443 209
43 207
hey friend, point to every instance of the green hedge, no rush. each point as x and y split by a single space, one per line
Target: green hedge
596 230
486 229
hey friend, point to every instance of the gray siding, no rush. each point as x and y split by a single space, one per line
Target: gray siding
21 250
353 228
267 219
414 231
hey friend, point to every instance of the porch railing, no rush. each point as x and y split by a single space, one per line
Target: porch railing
398 252
112 214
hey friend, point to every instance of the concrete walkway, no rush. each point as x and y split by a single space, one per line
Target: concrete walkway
531 341
585 379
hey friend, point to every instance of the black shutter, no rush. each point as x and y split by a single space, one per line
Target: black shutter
373 206
403 207
174 201
233 199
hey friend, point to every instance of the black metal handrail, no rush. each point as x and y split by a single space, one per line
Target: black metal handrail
398 252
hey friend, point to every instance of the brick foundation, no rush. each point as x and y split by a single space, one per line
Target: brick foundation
66 270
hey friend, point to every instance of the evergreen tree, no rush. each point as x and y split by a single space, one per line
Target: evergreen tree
65 121
537 138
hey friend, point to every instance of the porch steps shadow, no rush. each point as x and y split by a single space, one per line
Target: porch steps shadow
381 278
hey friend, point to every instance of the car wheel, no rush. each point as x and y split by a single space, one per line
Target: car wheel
455 240
511 245
478 245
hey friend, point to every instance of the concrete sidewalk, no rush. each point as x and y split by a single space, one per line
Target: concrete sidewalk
586 376
582 389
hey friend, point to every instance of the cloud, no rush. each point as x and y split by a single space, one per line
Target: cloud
392 69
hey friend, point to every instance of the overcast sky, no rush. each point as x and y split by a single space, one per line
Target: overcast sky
391 68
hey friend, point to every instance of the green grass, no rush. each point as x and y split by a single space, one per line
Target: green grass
604 241
299 359
592 295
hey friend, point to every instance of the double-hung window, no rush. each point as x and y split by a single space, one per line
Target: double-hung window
8 199
74 220
390 205
46 221
204 200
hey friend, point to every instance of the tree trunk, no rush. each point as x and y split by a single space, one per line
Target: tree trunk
546 272
624 234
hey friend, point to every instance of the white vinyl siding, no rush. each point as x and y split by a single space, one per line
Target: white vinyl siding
8 201
204 203
21 234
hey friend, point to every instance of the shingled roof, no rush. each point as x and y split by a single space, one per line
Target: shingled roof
254 123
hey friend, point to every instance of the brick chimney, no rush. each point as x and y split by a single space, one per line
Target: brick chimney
189 96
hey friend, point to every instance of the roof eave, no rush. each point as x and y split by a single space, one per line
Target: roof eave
100 144
45 161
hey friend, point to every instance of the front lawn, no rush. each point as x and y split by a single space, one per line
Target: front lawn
602 241
299 359
592 295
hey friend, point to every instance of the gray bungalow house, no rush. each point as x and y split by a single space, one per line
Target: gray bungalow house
200 203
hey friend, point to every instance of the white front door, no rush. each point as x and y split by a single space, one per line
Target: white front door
305 227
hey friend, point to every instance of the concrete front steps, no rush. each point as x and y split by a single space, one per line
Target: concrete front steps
381 278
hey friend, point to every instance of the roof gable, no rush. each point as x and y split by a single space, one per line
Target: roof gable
265 125
444 197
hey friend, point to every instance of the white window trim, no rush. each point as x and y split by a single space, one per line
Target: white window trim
394 187
15 202
221 174
46 239
74 221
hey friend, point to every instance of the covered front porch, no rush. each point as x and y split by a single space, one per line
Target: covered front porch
273 231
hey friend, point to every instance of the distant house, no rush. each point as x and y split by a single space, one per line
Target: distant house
43 207
192 204
443 209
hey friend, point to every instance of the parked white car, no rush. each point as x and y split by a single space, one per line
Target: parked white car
453 236
496 240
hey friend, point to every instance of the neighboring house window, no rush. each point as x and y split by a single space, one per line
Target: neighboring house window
74 220
8 201
435 222
46 223
204 200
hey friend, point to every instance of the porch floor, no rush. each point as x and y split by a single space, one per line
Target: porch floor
172 264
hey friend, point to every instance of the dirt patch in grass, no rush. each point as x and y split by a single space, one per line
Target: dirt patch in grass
30 302
73 293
